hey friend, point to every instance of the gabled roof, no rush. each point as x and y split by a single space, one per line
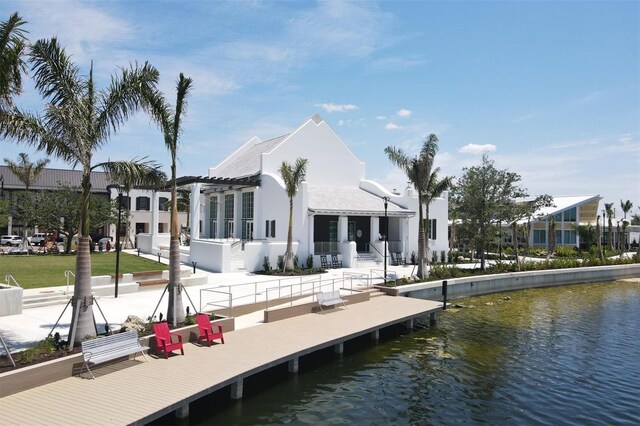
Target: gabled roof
347 200
588 207
50 179
247 163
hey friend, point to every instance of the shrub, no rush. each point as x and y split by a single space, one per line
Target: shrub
565 251
443 256
189 320
414 259
281 262
44 347
266 264
309 262
295 262
434 257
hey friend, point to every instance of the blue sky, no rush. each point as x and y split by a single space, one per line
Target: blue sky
551 90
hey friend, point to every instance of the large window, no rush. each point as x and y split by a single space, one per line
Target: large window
569 237
431 232
143 203
213 217
247 215
269 228
569 215
228 215
539 236
558 236
163 204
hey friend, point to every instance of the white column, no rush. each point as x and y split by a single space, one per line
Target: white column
237 214
343 228
375 228
155 213
195 210
258 223
220 221
311 224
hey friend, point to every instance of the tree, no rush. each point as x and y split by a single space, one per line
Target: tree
626 207
77 121
292 176
170 123
12 65
420 172
599 238
608 208
184 203
481 196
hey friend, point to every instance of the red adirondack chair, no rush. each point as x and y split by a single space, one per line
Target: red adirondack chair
206 330
164 340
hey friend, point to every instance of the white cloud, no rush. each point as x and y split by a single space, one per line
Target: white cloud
396 63
392 126
524 117
591 97
381 117
473 148
403 113
331 107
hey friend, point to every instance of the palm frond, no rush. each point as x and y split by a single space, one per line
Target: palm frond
182 95
56 77
12 66
136 172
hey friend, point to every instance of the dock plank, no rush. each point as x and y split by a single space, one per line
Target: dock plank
246 352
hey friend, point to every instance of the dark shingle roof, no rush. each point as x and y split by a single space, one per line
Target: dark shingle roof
51 178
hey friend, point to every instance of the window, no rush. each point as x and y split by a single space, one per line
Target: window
569 215
142 203
270 228
213 217
163 204
431 232
557 217
228 215
558 236
333 231
569 237
247 215
539 236
125 203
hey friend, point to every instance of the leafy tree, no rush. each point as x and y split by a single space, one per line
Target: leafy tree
608 208
12 65
481 196
292 176
420 172
77 121
170 123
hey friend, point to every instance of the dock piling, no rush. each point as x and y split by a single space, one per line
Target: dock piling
375 336
293 365
182 412
338 348
236 389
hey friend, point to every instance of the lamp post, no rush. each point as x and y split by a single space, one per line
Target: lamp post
118 238
1 186
386 236
604 250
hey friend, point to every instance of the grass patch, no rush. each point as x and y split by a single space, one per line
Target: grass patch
38 271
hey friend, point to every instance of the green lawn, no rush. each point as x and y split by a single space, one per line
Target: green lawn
48 270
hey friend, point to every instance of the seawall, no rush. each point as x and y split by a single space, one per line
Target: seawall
485 284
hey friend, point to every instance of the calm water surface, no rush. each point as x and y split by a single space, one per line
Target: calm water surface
565 355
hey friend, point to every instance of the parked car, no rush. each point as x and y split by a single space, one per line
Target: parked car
38 237
10 240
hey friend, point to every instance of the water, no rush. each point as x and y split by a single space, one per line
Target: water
565 355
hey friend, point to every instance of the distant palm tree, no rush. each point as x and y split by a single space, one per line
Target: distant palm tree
626 207
292 177
78 120
608 208
170 123
12 66
26 171
419 170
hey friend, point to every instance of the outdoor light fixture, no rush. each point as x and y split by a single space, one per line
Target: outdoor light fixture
386 235
119 188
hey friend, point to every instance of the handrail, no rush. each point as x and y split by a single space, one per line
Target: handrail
67 275
8 278
385 279
310 292
217 304
374 247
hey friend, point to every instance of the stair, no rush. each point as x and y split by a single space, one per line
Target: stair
237 258
366 259
45 298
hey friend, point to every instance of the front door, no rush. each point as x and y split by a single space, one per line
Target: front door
248 230
362 231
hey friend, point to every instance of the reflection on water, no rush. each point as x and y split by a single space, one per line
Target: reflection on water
565 355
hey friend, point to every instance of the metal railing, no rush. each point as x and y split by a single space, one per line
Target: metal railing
9 278
229 299
68 275
307 288
378 274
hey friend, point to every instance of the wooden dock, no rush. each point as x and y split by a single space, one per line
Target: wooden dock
138 392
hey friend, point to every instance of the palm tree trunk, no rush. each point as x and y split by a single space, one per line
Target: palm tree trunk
610 234
514 240
427 234
175 308
82 298
422 247
288 264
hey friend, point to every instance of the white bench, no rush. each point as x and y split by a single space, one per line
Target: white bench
111 347
330 298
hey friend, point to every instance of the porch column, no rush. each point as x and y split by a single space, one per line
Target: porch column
258 223
343 228
311 241
155 214
375 228
220 219
195 210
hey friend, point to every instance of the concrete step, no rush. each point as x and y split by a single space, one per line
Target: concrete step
45 299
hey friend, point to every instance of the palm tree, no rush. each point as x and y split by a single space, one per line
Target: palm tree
599 238
77 121
170 123
292 176
608 208
26 171
184 203
12 66
420 172
626 207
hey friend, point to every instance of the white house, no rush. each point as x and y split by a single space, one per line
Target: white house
244 210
